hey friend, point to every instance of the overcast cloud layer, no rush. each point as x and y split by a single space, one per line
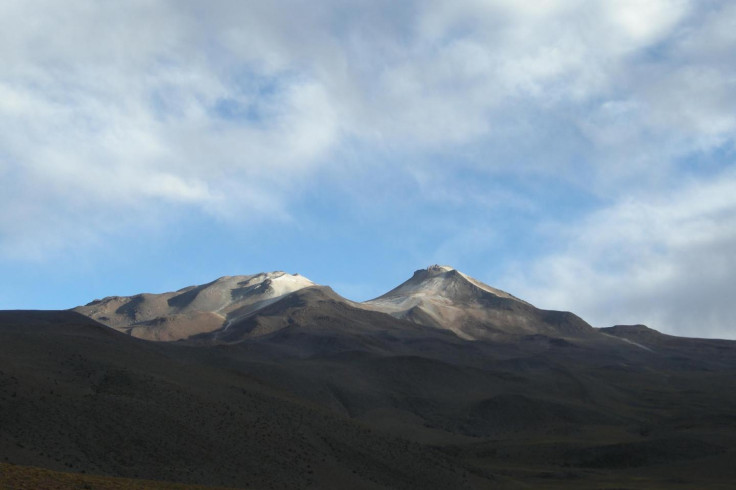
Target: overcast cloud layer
577 152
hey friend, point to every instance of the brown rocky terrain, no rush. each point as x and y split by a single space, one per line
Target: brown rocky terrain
454 384
195 309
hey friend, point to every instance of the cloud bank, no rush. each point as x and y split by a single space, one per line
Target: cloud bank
115 119
666 259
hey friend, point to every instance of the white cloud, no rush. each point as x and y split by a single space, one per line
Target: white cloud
116 110
645 22
112 116
663 260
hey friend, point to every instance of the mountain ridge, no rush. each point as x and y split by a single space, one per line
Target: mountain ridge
298 383
439 297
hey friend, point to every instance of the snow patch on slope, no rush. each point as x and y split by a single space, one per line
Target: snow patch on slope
175 315
629 341
489 289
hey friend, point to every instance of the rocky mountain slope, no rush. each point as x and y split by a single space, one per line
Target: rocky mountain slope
195 309
443 297
232 308
444 382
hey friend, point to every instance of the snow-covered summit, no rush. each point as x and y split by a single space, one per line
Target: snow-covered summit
194 309
436 268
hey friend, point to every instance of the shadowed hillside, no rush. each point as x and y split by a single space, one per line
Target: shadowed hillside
454 384
76 396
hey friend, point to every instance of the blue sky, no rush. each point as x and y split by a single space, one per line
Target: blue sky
578 154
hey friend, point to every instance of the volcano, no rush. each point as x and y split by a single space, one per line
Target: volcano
270 380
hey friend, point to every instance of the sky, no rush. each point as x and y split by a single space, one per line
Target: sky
578 154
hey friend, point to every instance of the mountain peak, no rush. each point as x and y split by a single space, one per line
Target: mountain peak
439 296
194 309
443 297
439 283
436 268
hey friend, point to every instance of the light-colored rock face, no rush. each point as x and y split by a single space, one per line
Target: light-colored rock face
437 297
439 283
193 310
444 297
